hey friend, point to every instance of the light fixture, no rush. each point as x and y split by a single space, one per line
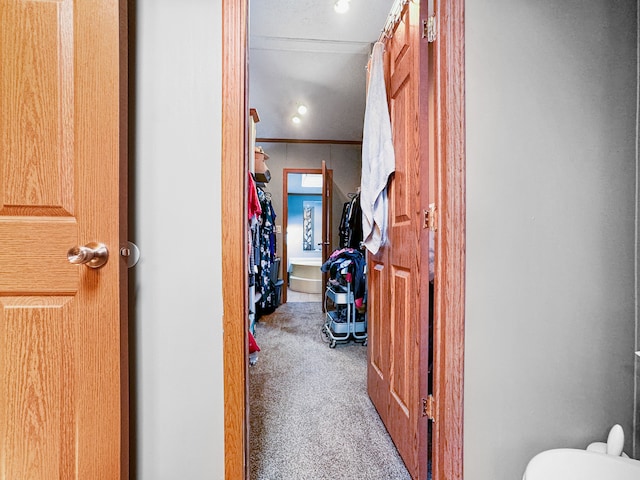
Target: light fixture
295 119
341 6
302 109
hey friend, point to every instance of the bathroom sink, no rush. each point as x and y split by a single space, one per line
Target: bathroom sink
572 464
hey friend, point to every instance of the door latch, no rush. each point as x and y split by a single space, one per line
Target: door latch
131 253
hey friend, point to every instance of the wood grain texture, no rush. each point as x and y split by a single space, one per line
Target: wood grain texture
97 147
36 370
397 330
37 127
234 235
126 137
327 219
450 270
60 187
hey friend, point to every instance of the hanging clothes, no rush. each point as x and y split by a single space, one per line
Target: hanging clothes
267 248
253 202
378 158
254 210
350 231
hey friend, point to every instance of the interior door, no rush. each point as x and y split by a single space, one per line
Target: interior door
63 372
327 218
397 274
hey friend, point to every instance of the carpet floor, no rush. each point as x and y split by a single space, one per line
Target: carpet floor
310 415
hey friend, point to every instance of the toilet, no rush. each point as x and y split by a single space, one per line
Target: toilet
574 464
599 461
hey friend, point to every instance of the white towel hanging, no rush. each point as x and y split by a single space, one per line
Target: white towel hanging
378 158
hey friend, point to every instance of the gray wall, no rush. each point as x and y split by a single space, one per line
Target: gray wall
551 178
178 320
178 304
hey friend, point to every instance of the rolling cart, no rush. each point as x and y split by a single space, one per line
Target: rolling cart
343 322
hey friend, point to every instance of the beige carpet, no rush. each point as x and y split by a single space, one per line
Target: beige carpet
310 416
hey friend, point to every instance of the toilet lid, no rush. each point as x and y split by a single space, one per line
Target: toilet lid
571 464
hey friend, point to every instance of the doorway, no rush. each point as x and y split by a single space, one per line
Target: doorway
303 233
450 272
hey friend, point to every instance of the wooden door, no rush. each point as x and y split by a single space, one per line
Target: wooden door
398 274
327 218
63 350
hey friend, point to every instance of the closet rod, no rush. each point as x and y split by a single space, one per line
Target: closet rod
392 19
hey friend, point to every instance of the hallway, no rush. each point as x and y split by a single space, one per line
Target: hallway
310 415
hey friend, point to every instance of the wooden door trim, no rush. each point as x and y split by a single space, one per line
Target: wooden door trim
126 136
327 221
234 231
449 301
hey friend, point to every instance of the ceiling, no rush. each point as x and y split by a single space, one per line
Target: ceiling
302 51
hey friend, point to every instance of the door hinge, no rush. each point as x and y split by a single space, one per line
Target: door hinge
430 29
429 408
430 218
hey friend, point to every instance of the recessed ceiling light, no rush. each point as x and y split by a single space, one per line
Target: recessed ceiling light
295 119
302 109
341 6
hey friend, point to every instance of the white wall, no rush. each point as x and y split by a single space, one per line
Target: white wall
551 178
179 309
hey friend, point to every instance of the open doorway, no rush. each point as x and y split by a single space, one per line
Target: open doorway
303 234
313 58
450 146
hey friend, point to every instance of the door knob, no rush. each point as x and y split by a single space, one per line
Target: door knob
93 255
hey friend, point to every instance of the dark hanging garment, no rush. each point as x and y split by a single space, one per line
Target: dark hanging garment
351 224
267 248
355 224
343 230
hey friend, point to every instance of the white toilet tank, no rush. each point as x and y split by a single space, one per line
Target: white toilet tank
572 464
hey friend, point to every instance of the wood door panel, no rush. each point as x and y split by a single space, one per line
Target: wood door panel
32 245
403 388
378 354
401 40
36 125
400 199
36 357
402 346
63 368
401 330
